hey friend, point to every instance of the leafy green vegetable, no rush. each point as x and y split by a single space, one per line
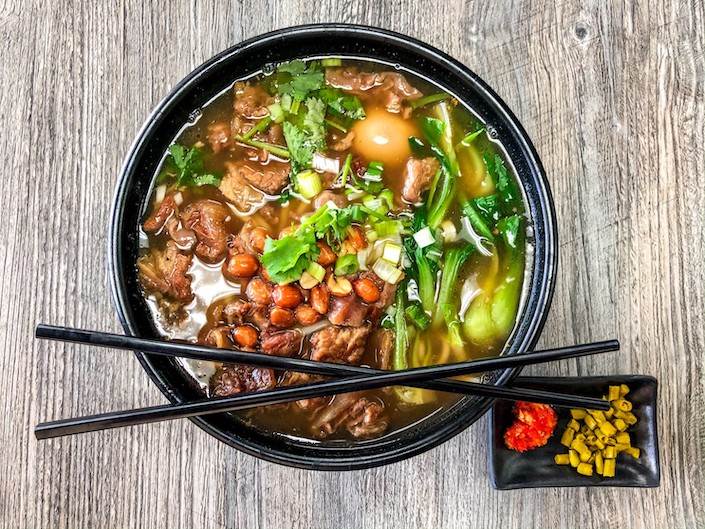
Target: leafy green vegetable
300 149
286 259
447 307
505 184
421 267
418 316
298 80
439 134
418 148
187 167
282 152
491 316
477 222
308 137
371 182
314 122
432 129
401 340
342 104
488 207
509 228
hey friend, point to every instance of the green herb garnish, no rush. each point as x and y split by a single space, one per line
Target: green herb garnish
187 168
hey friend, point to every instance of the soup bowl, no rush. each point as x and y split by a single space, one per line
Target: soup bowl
243 60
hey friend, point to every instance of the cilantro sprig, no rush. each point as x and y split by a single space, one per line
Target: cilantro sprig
286 259
187 167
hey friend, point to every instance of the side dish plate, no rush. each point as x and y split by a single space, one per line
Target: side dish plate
536 468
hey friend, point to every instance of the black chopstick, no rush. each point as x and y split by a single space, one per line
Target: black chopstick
199 352
371 379
104 421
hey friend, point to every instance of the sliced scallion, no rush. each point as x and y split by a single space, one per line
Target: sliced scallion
386 271
424 237
308 183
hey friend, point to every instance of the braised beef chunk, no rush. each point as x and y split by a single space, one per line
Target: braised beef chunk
242 242
239 312
362 417
207 219
156 220
270 178
342 345
349 310
232 379
418 175
166 218
282 343
238 191
251 101
234 313
391 87
166 272
295 379
367 419
219 136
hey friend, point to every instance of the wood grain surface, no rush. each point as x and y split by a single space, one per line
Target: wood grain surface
612 94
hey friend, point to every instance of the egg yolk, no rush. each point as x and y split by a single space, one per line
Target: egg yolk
383 137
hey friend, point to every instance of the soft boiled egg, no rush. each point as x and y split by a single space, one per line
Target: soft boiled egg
383 137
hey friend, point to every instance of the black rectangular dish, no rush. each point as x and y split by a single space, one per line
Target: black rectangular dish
536 468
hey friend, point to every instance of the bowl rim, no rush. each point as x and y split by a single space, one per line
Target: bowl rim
537 317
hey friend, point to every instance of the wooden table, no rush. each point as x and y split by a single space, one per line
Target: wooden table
612 97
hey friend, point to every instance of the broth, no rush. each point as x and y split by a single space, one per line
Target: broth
431 241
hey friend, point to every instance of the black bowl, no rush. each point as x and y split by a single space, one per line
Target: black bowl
244 60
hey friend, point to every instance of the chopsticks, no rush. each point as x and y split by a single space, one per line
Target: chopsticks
359 378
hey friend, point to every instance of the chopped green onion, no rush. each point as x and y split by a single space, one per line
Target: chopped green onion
357 214
261 125
295 104
376 204
388 227
374 172
280 151
371 236
346 264
308 183
388 196
276 112
316 270
335 125
331 62
391 253
424 237
372 213
286 102
429 99
387 271
307 280
362 258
